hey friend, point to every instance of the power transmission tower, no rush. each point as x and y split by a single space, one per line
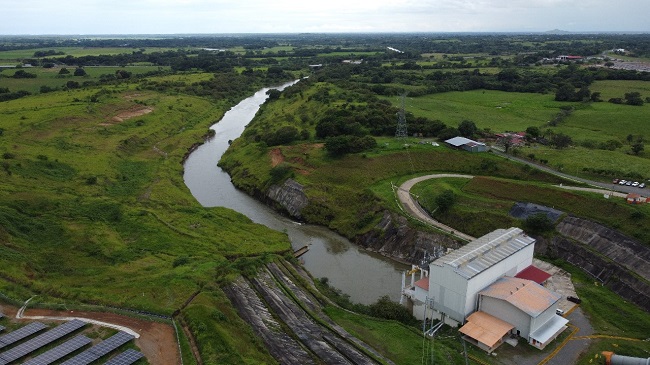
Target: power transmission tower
402 131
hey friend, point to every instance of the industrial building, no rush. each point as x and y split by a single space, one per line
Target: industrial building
467 144
486 287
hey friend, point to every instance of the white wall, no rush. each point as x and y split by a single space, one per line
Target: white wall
509 266
543 318
507 312
457 297
448 291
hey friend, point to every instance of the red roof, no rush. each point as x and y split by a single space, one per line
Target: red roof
423 283
532 273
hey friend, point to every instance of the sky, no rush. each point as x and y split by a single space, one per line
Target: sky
323 16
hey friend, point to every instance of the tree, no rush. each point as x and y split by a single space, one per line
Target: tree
467 128
595 96
538 223
341 145
79 72
448 133
565 92
637 148
445 200
64 71
561 141
532 133
633 98
274 94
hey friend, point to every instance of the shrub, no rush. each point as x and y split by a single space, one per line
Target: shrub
341 145
538 223
445 200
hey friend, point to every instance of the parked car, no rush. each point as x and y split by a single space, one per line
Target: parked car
622 182
636 183
574 299
628 183
615 181
559 312
642 185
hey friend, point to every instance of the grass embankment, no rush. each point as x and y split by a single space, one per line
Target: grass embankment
93 208
619 326
483 204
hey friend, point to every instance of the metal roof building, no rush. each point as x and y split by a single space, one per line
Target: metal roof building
456 278
528 306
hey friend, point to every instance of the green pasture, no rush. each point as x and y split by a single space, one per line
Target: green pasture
497 110
21 54
50 76
621 163
618 88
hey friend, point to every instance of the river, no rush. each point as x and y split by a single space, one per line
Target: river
363 275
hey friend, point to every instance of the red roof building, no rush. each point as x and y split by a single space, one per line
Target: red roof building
423 283
534 274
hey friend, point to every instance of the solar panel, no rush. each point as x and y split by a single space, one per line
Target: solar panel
83 358
111 343
19 334
126 358
41 340
60 351
100 349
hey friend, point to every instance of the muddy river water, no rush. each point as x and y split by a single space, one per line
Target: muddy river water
363 275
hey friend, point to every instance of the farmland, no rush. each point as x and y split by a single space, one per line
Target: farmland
93 208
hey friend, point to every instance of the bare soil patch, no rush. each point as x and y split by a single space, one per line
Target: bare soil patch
132 112
276 157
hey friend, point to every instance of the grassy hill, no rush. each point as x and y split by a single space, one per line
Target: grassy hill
93 209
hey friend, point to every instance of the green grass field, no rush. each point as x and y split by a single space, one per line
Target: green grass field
500 111
21 54
50 76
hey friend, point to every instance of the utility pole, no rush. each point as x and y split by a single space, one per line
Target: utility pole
402 131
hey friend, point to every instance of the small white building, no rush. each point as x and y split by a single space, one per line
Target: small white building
467 144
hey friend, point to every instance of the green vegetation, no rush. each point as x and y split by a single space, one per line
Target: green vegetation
483 205
628 320
93 207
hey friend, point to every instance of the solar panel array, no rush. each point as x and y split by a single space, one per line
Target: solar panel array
19 334
60 351
128 357
100 349
40 341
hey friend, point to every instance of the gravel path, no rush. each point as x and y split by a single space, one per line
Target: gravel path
415 210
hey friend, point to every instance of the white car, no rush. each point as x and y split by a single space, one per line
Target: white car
622 182
642 185
636 183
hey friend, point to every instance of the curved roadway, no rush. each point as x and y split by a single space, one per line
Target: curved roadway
415 210
412 208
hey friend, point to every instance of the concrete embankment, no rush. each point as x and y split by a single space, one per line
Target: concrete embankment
293 327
